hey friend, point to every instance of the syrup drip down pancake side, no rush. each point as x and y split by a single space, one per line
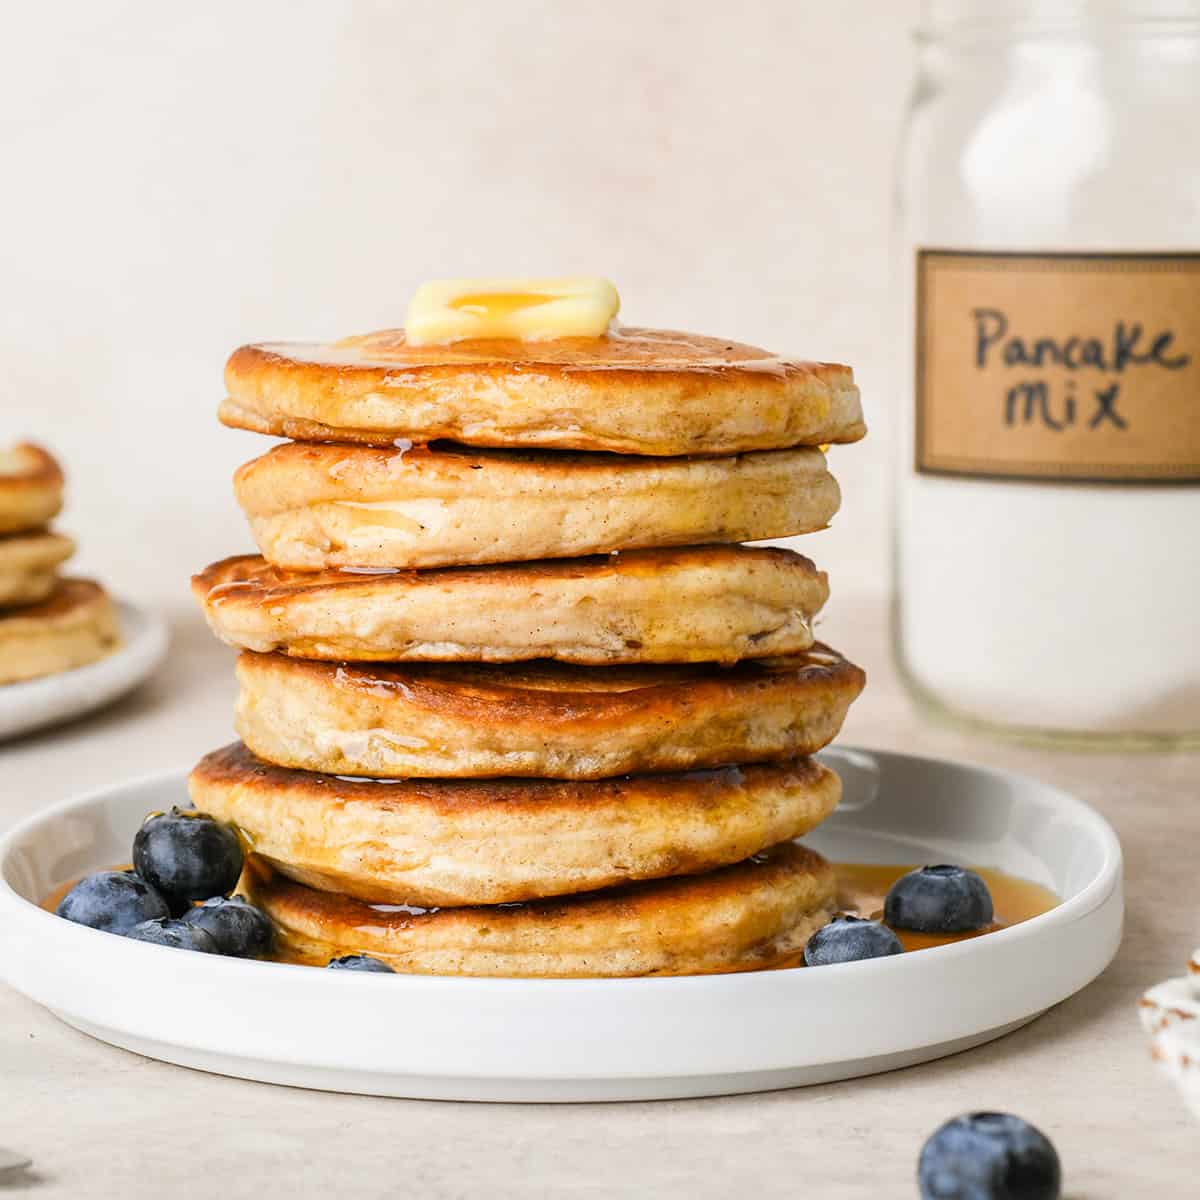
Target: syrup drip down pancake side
546 720
633 391
755 914
314 507
495 841
705 604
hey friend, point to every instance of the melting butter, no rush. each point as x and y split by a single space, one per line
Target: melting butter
533 310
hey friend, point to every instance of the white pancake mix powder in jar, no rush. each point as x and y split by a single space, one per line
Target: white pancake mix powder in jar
1047 540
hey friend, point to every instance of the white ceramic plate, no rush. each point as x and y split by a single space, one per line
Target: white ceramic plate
38 702
591 1039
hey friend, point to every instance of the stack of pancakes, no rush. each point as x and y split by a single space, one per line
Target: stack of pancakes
47 624
514 699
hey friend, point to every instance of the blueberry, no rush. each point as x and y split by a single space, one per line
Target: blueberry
989 1156
114 901
848 939
163 931
238 928
939 899
187 856
358 962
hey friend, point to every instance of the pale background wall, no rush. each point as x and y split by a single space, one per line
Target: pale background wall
178 179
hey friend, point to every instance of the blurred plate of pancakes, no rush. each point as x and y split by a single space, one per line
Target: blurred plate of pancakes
66 646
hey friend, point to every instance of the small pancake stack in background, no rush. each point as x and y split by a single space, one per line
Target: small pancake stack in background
48 624
515 699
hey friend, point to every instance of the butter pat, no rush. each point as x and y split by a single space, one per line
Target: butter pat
531 310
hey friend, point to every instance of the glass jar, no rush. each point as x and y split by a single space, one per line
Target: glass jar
1047 517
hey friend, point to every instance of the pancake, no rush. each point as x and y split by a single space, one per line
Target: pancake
546 720
29 565
495 841
756 914
312 507
635 391
75 626
711 603
31 487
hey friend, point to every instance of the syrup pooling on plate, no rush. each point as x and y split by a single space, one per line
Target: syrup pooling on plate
862 888
861 891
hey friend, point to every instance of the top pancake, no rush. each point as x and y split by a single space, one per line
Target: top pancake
31 487
634 391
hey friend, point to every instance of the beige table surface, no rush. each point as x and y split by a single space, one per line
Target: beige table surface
102 1122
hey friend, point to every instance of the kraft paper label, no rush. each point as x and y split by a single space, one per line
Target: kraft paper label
1058 366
